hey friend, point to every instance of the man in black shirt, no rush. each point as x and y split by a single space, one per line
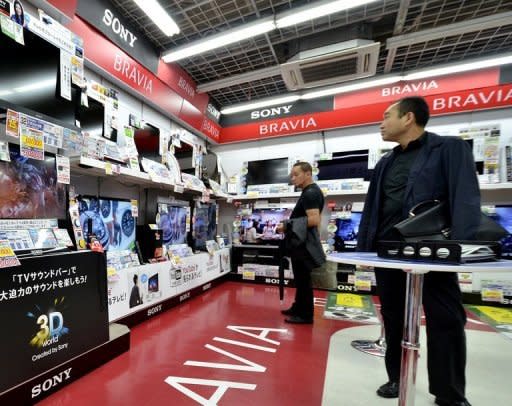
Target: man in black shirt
303 242
424 166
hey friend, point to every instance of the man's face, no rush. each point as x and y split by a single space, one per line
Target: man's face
393 126
298 176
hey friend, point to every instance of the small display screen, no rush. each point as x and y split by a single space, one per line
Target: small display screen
172 220
348 228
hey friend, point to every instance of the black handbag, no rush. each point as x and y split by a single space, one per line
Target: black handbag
430 220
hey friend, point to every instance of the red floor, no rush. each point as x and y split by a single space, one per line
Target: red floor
291 375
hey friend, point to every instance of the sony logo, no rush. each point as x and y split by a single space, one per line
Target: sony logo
49 383
213 111
113 22
270 112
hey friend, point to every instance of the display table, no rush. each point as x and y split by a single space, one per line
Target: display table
415 274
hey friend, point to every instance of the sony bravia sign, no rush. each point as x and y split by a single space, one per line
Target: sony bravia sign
111 21
270 112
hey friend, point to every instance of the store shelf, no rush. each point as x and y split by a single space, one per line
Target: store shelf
496 186
267 280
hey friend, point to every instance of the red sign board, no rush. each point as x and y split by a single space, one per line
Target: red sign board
440 104
423 87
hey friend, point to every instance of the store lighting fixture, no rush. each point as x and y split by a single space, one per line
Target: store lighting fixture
35 86
464 67
159 16
386 80
262 103
312 11
5 92
219 40
262 26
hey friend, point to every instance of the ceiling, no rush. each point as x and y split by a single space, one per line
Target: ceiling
430 33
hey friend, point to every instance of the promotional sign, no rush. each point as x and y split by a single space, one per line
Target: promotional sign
103 15
53 308
448 103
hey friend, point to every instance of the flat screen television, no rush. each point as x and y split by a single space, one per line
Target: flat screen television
111 221
29 188
147 141
153 283
268 171
267 219
205 224
503 216
345 165
172 220
346 234
29 77
92 118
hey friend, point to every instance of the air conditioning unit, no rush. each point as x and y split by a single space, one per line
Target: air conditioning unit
331 64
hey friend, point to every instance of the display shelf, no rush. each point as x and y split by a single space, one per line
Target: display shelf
496 186
344 192
95 167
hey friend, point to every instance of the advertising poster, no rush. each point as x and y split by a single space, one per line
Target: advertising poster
32 145
350 307
12 124
63 173
53 309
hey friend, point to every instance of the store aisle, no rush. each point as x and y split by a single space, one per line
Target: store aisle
287 367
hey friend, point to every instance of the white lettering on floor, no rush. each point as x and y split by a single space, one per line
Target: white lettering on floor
260 333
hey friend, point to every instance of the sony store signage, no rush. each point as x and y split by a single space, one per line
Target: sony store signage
212 112
103 16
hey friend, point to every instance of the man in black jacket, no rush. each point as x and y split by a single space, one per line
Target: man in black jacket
303 242
424 166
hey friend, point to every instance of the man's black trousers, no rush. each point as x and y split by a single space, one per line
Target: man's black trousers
445 320
303 305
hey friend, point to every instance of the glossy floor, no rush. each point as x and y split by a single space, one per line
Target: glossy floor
232 347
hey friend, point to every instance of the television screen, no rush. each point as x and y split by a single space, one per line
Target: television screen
268 171
205 224
147 141
29 77
172 220
503 216
153 283
112 222
346 234
268 219
29 188
92 118
345 165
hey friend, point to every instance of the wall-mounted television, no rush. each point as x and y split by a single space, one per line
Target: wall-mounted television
346 234
267 219
205 224
268 171
111 221
92 118
503 215
29 77
172 220
345 165
147 141
29 188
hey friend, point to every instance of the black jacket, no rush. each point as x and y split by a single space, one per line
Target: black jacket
303 241
445 170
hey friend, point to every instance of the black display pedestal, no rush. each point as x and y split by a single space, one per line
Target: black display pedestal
55 317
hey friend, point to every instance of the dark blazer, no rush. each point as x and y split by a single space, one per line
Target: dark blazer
303 242
445 170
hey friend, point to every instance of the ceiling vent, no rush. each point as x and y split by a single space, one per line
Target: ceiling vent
331 64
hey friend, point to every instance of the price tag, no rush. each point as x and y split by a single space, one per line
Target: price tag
363 285
108 168
492 295
249 275
178 188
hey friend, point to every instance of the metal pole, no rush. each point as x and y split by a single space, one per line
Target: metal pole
411 342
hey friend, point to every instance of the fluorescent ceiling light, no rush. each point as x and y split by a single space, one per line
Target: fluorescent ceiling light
350 88
263 103
464 67
5 92
310 12
35 86
159 16
217 41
